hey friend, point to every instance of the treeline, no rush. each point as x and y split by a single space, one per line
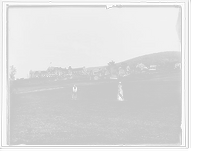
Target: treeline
113 71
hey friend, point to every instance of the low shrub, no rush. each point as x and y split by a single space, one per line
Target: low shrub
96 77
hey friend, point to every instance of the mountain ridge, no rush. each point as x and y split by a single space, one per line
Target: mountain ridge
155 58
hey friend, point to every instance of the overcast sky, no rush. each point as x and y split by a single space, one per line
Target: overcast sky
87 36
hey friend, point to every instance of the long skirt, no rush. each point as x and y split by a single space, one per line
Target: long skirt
120 96
74 95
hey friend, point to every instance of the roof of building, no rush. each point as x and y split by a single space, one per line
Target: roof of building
77 69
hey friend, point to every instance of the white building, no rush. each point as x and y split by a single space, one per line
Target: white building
152 67
50 72
79 71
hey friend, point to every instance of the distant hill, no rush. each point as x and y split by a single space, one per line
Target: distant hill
154 58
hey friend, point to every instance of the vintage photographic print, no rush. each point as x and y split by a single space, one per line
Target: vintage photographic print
95 74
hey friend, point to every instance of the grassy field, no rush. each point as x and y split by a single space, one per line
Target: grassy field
150 115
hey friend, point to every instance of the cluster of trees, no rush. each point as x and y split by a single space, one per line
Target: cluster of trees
123 70
12 73
135 69
118 69
112 70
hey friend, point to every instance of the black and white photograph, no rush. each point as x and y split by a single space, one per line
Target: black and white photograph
95 74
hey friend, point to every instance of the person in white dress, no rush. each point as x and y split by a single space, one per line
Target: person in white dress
74 94
120 92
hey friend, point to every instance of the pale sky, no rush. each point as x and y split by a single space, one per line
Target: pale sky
87 36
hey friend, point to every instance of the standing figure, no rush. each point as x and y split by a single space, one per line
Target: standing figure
120 95
74 94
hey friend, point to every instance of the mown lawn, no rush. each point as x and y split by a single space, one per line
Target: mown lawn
150 115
